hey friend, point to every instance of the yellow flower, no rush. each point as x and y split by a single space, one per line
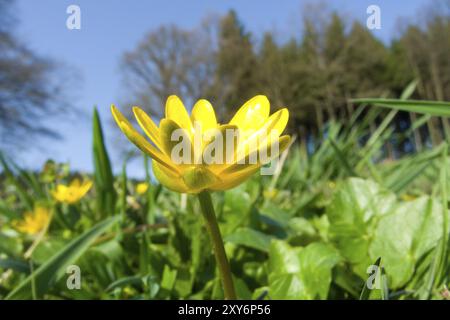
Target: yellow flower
33 222
142 187
271 193
407 197
73 192
235 157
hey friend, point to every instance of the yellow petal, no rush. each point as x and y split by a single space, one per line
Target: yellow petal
75 183
253 114
60 193
176 111
33 222
147 124
170 137
140 141
203 115
232 180
271 129
168 179
228 136
279 125
85 187
57 196
271 152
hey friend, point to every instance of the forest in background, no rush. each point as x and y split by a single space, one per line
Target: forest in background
314 73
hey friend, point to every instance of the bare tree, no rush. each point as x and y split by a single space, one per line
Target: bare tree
29 90
169 61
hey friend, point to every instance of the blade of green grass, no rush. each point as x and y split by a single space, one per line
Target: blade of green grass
365 293
409 90
369 149
342 158
407 170
434 108
103 176
123 198
443 255
417 124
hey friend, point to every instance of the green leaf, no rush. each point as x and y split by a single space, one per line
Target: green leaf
10 245
103 176
250 238
168 279
236 211
353 214
435 108
242 290
405 235
51 271
300 273
46 250
14 264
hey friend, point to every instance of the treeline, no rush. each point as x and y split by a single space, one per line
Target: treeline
315 73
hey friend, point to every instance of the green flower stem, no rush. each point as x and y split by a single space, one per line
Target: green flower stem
219 250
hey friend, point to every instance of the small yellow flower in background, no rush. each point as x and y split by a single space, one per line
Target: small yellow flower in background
142 187
408 197
33 222
73 192
252 123
271 193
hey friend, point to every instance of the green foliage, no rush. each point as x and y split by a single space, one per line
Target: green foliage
311 232
348 198
354 213
250 238
405 235
103 177
302 272
52 270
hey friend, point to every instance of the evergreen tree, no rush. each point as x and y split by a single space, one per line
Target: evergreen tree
236 74
272 71
365 63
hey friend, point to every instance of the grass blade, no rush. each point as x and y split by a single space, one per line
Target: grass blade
103 176
434 108
365 293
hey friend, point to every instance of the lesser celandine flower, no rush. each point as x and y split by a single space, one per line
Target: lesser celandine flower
73 192
142 187
196 154
33 222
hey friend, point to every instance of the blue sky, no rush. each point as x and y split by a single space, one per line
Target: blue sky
111 27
